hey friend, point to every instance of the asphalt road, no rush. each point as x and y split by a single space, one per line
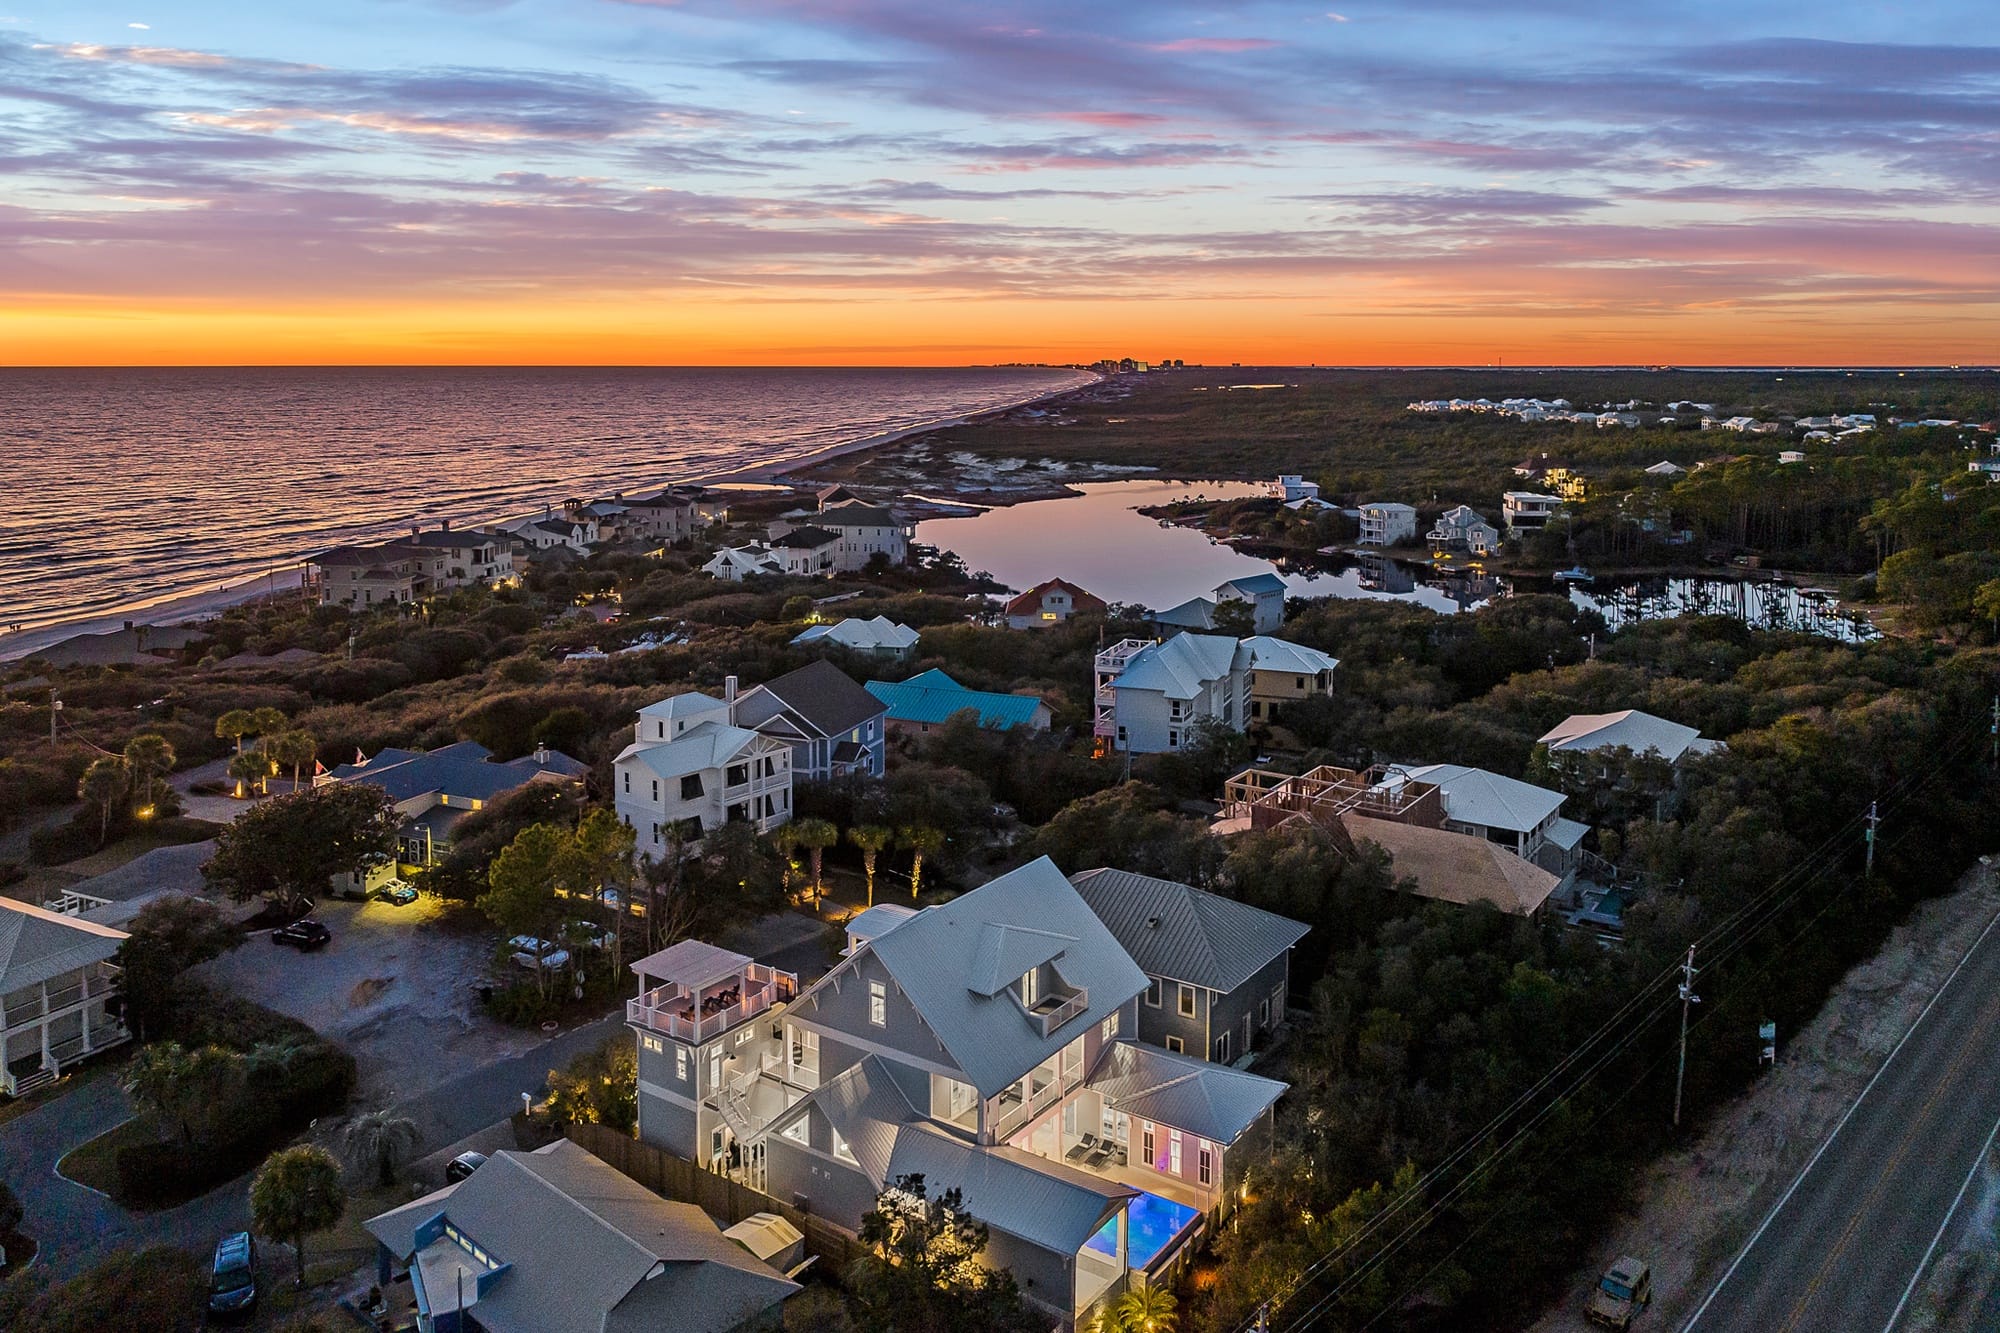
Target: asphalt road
1844 1246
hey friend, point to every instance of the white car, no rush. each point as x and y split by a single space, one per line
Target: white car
536 954
597 937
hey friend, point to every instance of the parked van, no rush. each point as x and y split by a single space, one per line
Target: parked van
232 1281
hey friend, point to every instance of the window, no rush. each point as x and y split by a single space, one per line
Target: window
738 775
652 1043
1174 1151
842 1151
1048 615
1146 1141
656 791
1186 1001
681 1063
1302 682
1031 988
1121 735
691 787
878 1003
1109 1027
1205 1164
1176 1045
628 784
1153 991
1173 740
796 1131
1222 1049
1264 1012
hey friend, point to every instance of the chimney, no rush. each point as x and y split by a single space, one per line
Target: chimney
447 526
729 695
541 754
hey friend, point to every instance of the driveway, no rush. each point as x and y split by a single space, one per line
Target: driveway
77 1226
396 986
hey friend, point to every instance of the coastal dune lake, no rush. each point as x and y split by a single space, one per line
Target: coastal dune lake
136 486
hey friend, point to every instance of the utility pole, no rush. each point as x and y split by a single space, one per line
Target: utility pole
1688 999
1873 820
55 710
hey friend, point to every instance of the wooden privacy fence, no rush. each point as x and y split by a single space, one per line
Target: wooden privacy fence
678 1179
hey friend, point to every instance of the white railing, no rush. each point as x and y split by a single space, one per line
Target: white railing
675 1011
1062 1013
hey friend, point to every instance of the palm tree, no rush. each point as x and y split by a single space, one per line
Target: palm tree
248 767
149 758
297 1191
267 721
871 839
920 840
1147 1310
234 725
100 788
157 1082
786 839
295 749
379 1140
816 835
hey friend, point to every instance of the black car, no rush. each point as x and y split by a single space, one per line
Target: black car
463 1165
232 1282
304 935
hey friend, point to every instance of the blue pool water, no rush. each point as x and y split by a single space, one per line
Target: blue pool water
1155 1223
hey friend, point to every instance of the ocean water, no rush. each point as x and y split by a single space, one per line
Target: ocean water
130 488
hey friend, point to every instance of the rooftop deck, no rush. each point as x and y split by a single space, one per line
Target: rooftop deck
1269 799
695 1014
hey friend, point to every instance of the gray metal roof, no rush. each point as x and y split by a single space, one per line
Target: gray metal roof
1043 1202
819 695
1181 667
1183 933
934 958
466 770
588 1249
692 963
38 945
866 1108
1210 1101
1475 796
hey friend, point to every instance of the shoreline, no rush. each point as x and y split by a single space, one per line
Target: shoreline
206 602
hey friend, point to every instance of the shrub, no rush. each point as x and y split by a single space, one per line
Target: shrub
160 1289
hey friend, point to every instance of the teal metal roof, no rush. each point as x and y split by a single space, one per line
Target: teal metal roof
933 696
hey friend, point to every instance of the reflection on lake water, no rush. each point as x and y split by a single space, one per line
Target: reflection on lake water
1774 606
1100 542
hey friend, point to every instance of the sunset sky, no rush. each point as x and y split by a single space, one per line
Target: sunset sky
923 182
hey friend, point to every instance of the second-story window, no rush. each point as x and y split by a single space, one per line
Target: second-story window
1109 1027
628 784
1031 988
1153 991
1187 1001
691 787
878 1003
656 791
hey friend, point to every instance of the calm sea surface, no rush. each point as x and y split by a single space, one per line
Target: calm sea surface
128 488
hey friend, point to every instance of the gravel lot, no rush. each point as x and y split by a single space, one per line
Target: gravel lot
396 986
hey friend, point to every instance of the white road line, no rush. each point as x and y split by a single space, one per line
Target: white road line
1792 1189
1943 1226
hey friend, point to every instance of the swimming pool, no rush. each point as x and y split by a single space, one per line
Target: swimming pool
1156 1223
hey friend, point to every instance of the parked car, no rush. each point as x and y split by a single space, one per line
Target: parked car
537 954
305 935
232 1279
597 937
614 900
1625 1289
395 893
463 1165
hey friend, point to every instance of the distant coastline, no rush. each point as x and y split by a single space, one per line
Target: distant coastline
203 602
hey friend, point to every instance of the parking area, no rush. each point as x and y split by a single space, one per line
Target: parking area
396 986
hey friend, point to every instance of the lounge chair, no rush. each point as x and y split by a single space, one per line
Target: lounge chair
1099 1155
1084 1146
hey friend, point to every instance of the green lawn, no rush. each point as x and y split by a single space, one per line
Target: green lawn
95 1164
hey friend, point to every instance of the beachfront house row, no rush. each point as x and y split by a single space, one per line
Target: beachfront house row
733 564
470 556
929 699
1283 672
435 789
1528 511
1386 523
662 516
1461 531
1050 603
364 576
58 994
1218 972
878 637
834 726
556 1241
866 532
985 1045
689 770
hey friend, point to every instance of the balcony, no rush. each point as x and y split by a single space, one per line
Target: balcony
1055 1010
685 1015
96 983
